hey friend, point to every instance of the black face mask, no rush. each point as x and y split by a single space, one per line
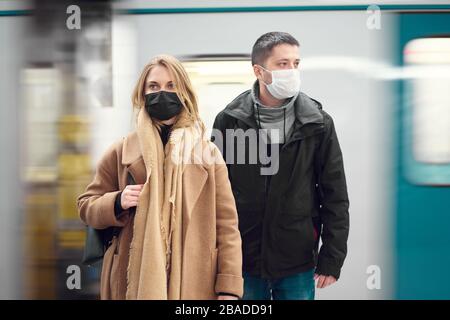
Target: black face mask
162 105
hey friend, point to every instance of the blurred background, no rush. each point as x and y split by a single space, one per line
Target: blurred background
382 70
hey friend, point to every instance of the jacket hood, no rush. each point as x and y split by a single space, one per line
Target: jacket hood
307 110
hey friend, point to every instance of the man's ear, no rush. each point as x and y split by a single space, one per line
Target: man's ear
257 71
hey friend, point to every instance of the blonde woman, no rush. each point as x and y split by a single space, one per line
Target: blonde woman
179 236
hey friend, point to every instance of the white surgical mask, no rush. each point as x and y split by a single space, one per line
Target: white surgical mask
285 83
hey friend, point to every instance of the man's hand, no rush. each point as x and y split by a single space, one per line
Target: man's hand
324 281
226 297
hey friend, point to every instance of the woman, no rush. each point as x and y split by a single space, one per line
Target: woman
183 241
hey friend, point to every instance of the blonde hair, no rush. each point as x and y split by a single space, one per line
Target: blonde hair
183 87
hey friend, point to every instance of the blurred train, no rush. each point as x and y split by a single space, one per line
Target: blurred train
381 71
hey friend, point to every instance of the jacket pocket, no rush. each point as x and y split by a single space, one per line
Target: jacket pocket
310 213
105 278
296 237
114 278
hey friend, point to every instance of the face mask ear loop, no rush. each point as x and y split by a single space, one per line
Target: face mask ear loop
266 71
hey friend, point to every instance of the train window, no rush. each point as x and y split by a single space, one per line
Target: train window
427 98
217 81
431 99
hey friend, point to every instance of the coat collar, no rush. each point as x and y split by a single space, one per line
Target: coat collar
130 149
307 110
132 158
309 119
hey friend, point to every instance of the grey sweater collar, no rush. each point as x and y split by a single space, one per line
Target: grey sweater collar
281 118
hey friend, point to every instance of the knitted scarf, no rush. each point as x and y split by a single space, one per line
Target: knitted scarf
155 261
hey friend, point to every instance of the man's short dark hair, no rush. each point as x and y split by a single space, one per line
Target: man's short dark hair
265 43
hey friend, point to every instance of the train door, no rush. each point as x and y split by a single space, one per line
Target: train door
423 158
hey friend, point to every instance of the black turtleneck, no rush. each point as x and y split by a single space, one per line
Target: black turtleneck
165 132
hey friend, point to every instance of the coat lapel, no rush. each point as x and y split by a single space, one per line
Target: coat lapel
194 179
132 158
137 170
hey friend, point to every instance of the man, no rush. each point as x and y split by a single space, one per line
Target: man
295 192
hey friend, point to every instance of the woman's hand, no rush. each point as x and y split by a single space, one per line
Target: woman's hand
130 196
226 297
